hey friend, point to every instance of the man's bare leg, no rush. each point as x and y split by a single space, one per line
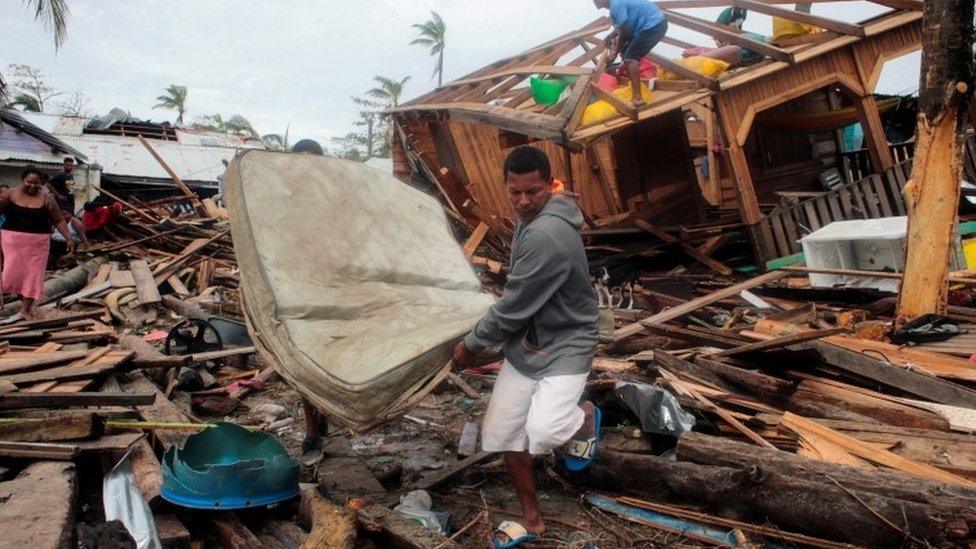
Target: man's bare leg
633 71
520 470
315 430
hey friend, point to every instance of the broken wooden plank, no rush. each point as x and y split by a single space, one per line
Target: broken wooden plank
146 287
232 532
690 251
39 506
801 425
780 342
697 303
471 245
433 480
330 525
401 531
343 475
16 401
16 363
61 426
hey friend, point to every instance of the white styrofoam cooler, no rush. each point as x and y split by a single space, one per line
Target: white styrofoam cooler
863 245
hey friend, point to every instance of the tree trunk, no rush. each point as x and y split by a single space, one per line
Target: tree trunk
932 193
440 68
723 452
760 494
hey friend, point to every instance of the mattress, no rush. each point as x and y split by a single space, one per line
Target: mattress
355 288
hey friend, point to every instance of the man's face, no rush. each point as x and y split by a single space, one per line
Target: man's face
69 167
32 184
528 193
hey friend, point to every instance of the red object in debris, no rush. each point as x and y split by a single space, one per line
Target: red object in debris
100 216
155 335
648 70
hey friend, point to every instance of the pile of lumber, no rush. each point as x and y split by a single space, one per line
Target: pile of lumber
808 416
87 376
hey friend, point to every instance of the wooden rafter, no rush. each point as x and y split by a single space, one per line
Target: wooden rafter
526 71
801 17
678 68
727 34
681 4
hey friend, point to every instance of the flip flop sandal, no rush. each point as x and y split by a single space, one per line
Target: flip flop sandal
578 454
517 535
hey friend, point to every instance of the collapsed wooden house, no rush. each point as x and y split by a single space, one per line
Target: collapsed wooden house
642 163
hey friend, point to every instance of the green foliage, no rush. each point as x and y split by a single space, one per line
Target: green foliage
432 35
174 99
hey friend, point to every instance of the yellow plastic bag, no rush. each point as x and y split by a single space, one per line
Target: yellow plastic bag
707 66
784 28
601 110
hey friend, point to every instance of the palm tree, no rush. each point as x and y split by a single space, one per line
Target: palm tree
432 34
388 91
25 102
174 99
239 125
54 13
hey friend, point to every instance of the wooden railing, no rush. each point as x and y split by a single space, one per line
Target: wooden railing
856 165
871 197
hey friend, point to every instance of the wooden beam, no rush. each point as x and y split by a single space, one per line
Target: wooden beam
748 203
932 193
624 108
475 239
698 303
801 17
201 209
874 133
691 252
913 5
726 34
678 68
525 71
681 4
16 401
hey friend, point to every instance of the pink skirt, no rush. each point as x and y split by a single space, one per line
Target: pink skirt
24 262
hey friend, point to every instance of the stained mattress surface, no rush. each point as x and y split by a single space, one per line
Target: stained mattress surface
353 284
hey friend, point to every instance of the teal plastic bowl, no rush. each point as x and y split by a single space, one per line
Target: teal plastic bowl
228 467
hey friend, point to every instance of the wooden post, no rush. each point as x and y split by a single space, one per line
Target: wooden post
748 204
201 209
874 134
932 192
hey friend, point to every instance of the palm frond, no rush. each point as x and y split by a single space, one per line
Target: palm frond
54 15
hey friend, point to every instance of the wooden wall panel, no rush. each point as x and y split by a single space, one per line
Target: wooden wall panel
653 152
483 159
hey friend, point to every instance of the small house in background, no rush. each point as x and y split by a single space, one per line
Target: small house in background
121 164
23 143
759 144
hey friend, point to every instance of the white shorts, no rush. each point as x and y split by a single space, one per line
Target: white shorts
534 415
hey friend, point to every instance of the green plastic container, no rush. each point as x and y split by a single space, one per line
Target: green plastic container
546 91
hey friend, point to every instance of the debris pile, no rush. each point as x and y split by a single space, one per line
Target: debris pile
736 412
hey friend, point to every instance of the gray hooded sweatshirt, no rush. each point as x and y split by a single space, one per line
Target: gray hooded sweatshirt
546 316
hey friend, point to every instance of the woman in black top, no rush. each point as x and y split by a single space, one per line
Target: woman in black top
31 212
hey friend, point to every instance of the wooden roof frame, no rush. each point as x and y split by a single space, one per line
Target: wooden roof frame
492 94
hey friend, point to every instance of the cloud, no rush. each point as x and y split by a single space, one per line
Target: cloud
298 63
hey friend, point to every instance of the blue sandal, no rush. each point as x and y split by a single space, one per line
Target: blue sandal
578 454
517 535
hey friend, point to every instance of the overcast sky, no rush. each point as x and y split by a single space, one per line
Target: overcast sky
298 62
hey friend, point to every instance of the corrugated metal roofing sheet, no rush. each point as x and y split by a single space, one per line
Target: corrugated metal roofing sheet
197 156
125 156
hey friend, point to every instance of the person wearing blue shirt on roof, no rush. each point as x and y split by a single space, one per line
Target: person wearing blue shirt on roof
638 25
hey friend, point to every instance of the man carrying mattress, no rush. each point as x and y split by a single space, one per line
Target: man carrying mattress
546 321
